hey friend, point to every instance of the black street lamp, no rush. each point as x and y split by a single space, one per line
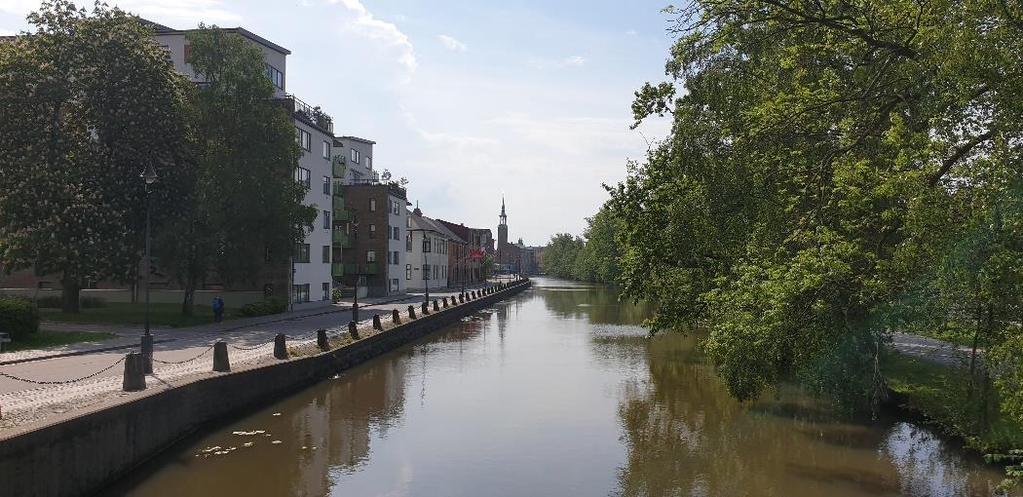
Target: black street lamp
149 177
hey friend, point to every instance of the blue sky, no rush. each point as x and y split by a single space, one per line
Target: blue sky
468 100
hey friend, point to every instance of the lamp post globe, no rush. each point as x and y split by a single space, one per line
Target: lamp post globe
149 177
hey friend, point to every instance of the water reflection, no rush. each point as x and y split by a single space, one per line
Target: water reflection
557 392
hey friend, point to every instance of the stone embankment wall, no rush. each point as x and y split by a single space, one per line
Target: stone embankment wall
81 455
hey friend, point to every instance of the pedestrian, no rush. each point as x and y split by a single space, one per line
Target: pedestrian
218 309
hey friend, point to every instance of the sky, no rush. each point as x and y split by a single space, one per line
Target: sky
468 100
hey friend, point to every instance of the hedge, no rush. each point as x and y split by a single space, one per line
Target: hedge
18 317
263 308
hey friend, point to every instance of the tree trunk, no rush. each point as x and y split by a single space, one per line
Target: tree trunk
70 293
188 305
973 356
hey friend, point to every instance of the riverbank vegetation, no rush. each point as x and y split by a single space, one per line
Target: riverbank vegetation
834 172
592 257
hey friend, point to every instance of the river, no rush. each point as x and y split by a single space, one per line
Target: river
556 392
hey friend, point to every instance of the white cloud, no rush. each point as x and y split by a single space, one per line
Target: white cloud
542 63
20 7
452 44
369 26
631 32
574 60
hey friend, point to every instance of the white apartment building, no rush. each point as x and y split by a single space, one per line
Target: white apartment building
311 282
427 246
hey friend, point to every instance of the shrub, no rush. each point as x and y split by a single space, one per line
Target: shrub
263 308
18 317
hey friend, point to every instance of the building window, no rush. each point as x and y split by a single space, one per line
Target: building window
426 244
326 292
372 231
372 205
395 255
394 285
395 233
371 256
408 271
426 271
300 293
303 176
326 254
326 185
408 242
276 77
356 157
326 149
301 252
304 139
369 162
326 220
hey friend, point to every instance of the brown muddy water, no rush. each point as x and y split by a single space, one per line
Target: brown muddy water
556 392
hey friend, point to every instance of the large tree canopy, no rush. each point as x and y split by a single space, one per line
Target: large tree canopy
831 166
88 101
245 209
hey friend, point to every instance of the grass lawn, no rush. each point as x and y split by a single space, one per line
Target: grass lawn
47 339
129 314
942 395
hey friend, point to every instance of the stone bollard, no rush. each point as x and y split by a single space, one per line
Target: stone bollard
425 307
376 323
353 330
461 298
221 363
321 339
134 373
436 307
147 353
396 316
445 302
411 312
280 347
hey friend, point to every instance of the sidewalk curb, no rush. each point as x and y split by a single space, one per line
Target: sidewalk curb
165 340
78 352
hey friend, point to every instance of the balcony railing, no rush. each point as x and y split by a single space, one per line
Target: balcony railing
340 238
337 269
312 115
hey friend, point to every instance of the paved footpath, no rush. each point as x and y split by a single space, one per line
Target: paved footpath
59 384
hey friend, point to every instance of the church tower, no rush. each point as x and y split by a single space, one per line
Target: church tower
502 230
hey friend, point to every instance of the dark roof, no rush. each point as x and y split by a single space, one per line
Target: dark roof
457 229
356 138
164 30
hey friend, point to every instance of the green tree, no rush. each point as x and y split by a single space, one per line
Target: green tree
559 257
245 209
88 102
808 140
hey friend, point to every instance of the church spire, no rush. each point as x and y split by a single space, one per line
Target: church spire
504 217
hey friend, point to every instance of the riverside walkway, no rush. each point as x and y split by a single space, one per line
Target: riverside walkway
36 385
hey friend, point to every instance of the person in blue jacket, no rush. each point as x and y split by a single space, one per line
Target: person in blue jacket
218 309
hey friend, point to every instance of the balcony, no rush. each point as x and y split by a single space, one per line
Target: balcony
341 214
311 115
369 268
341 239
339 167
337 270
